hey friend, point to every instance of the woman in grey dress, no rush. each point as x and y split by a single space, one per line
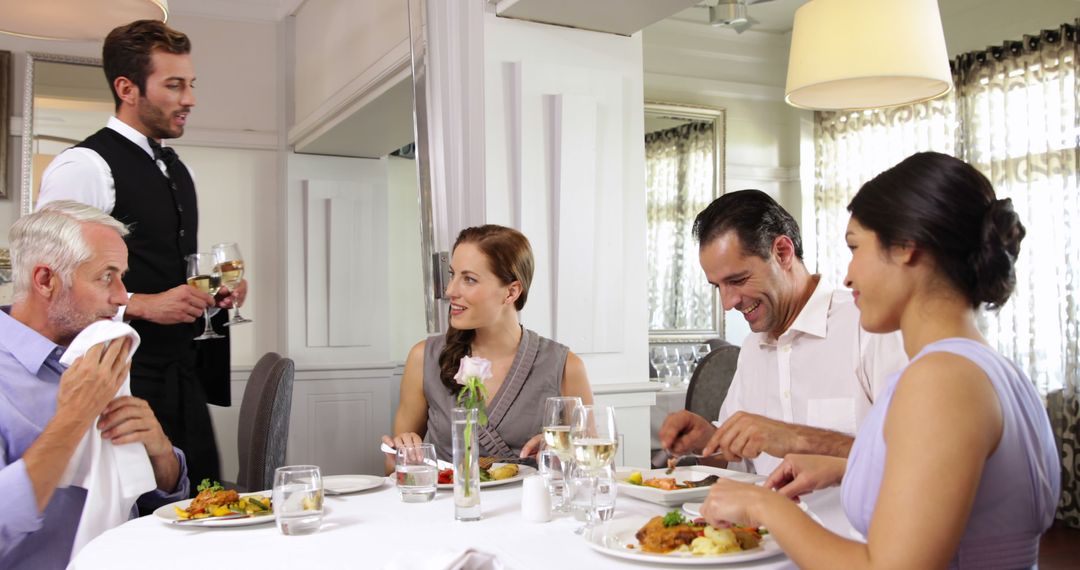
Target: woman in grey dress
491 269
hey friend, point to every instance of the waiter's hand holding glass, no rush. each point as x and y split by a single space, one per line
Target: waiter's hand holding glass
230 263
203 275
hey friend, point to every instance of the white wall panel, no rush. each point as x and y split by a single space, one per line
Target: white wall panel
339 219
565 164
338 417
337 259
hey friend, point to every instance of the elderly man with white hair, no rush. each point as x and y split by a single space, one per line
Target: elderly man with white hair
67 260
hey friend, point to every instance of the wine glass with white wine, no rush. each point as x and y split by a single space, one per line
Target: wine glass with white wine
558 414
230 264
203 275
594 439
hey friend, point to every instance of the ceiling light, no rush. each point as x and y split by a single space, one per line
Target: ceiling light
860 54
79 20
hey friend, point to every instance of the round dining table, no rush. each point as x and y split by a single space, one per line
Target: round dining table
375 529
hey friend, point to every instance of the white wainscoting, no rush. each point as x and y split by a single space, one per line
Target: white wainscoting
338 416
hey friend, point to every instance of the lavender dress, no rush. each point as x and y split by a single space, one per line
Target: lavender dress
1020 483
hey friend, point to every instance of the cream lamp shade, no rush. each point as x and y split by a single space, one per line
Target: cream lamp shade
79 20
862 54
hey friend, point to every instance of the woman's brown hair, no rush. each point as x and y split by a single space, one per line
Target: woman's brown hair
510 258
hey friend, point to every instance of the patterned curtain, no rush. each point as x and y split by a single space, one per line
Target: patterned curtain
854 146
1015 115
1020 111
679 165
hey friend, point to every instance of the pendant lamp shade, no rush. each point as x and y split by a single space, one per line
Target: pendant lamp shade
78 20
862 54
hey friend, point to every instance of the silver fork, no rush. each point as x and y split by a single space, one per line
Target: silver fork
674 459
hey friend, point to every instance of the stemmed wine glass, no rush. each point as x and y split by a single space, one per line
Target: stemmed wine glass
230 264
594 439
657 357
700 350
558 415
203 275
672 361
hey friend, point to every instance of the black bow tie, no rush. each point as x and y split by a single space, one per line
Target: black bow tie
163 153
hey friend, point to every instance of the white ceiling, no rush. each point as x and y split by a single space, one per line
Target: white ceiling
773 16
252 10
969 24
613 16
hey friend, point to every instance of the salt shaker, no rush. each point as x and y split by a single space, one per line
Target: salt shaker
535 500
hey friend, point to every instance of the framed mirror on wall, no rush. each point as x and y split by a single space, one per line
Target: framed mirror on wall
5 117
65 99
684 170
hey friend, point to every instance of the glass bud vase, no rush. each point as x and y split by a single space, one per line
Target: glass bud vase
466 464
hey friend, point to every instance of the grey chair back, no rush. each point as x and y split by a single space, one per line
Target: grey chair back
711 380
263 429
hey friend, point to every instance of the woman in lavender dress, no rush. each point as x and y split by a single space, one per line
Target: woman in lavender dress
955 466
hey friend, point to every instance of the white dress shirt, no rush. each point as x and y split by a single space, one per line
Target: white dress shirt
824 371
82 175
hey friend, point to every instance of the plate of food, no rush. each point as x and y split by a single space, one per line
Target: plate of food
497 474
682 485
344 484
674 540
216 506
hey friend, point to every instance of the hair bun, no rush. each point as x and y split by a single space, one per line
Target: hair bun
995 276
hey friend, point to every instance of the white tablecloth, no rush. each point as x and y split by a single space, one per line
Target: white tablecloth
373 529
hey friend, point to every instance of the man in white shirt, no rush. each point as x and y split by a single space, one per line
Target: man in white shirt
125 171
808 373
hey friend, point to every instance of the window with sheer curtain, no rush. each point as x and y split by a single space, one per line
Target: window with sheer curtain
679 171
1014 115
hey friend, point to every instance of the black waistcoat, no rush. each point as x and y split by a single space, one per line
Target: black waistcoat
163 217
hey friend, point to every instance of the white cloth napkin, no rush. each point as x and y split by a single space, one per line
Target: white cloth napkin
446 559
113 475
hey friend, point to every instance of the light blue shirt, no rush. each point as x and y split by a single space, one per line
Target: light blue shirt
30 373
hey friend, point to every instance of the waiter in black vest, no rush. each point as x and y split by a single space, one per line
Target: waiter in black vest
123 170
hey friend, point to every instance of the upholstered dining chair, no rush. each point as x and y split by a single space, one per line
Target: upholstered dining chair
711 379
708 387
263 429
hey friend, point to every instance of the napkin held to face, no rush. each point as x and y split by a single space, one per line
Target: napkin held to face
114 476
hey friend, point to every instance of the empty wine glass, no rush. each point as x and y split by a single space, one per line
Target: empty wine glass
687 358
202 274
671 362
230 264
594 438
700 350
558 416
657 357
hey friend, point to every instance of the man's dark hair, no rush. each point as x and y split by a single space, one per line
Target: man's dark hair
128 50
754 217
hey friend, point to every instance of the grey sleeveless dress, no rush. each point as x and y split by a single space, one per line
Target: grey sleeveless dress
514 413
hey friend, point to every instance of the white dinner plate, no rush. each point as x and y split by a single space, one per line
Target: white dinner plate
167 514
681 474
613 538
523 472
343 484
